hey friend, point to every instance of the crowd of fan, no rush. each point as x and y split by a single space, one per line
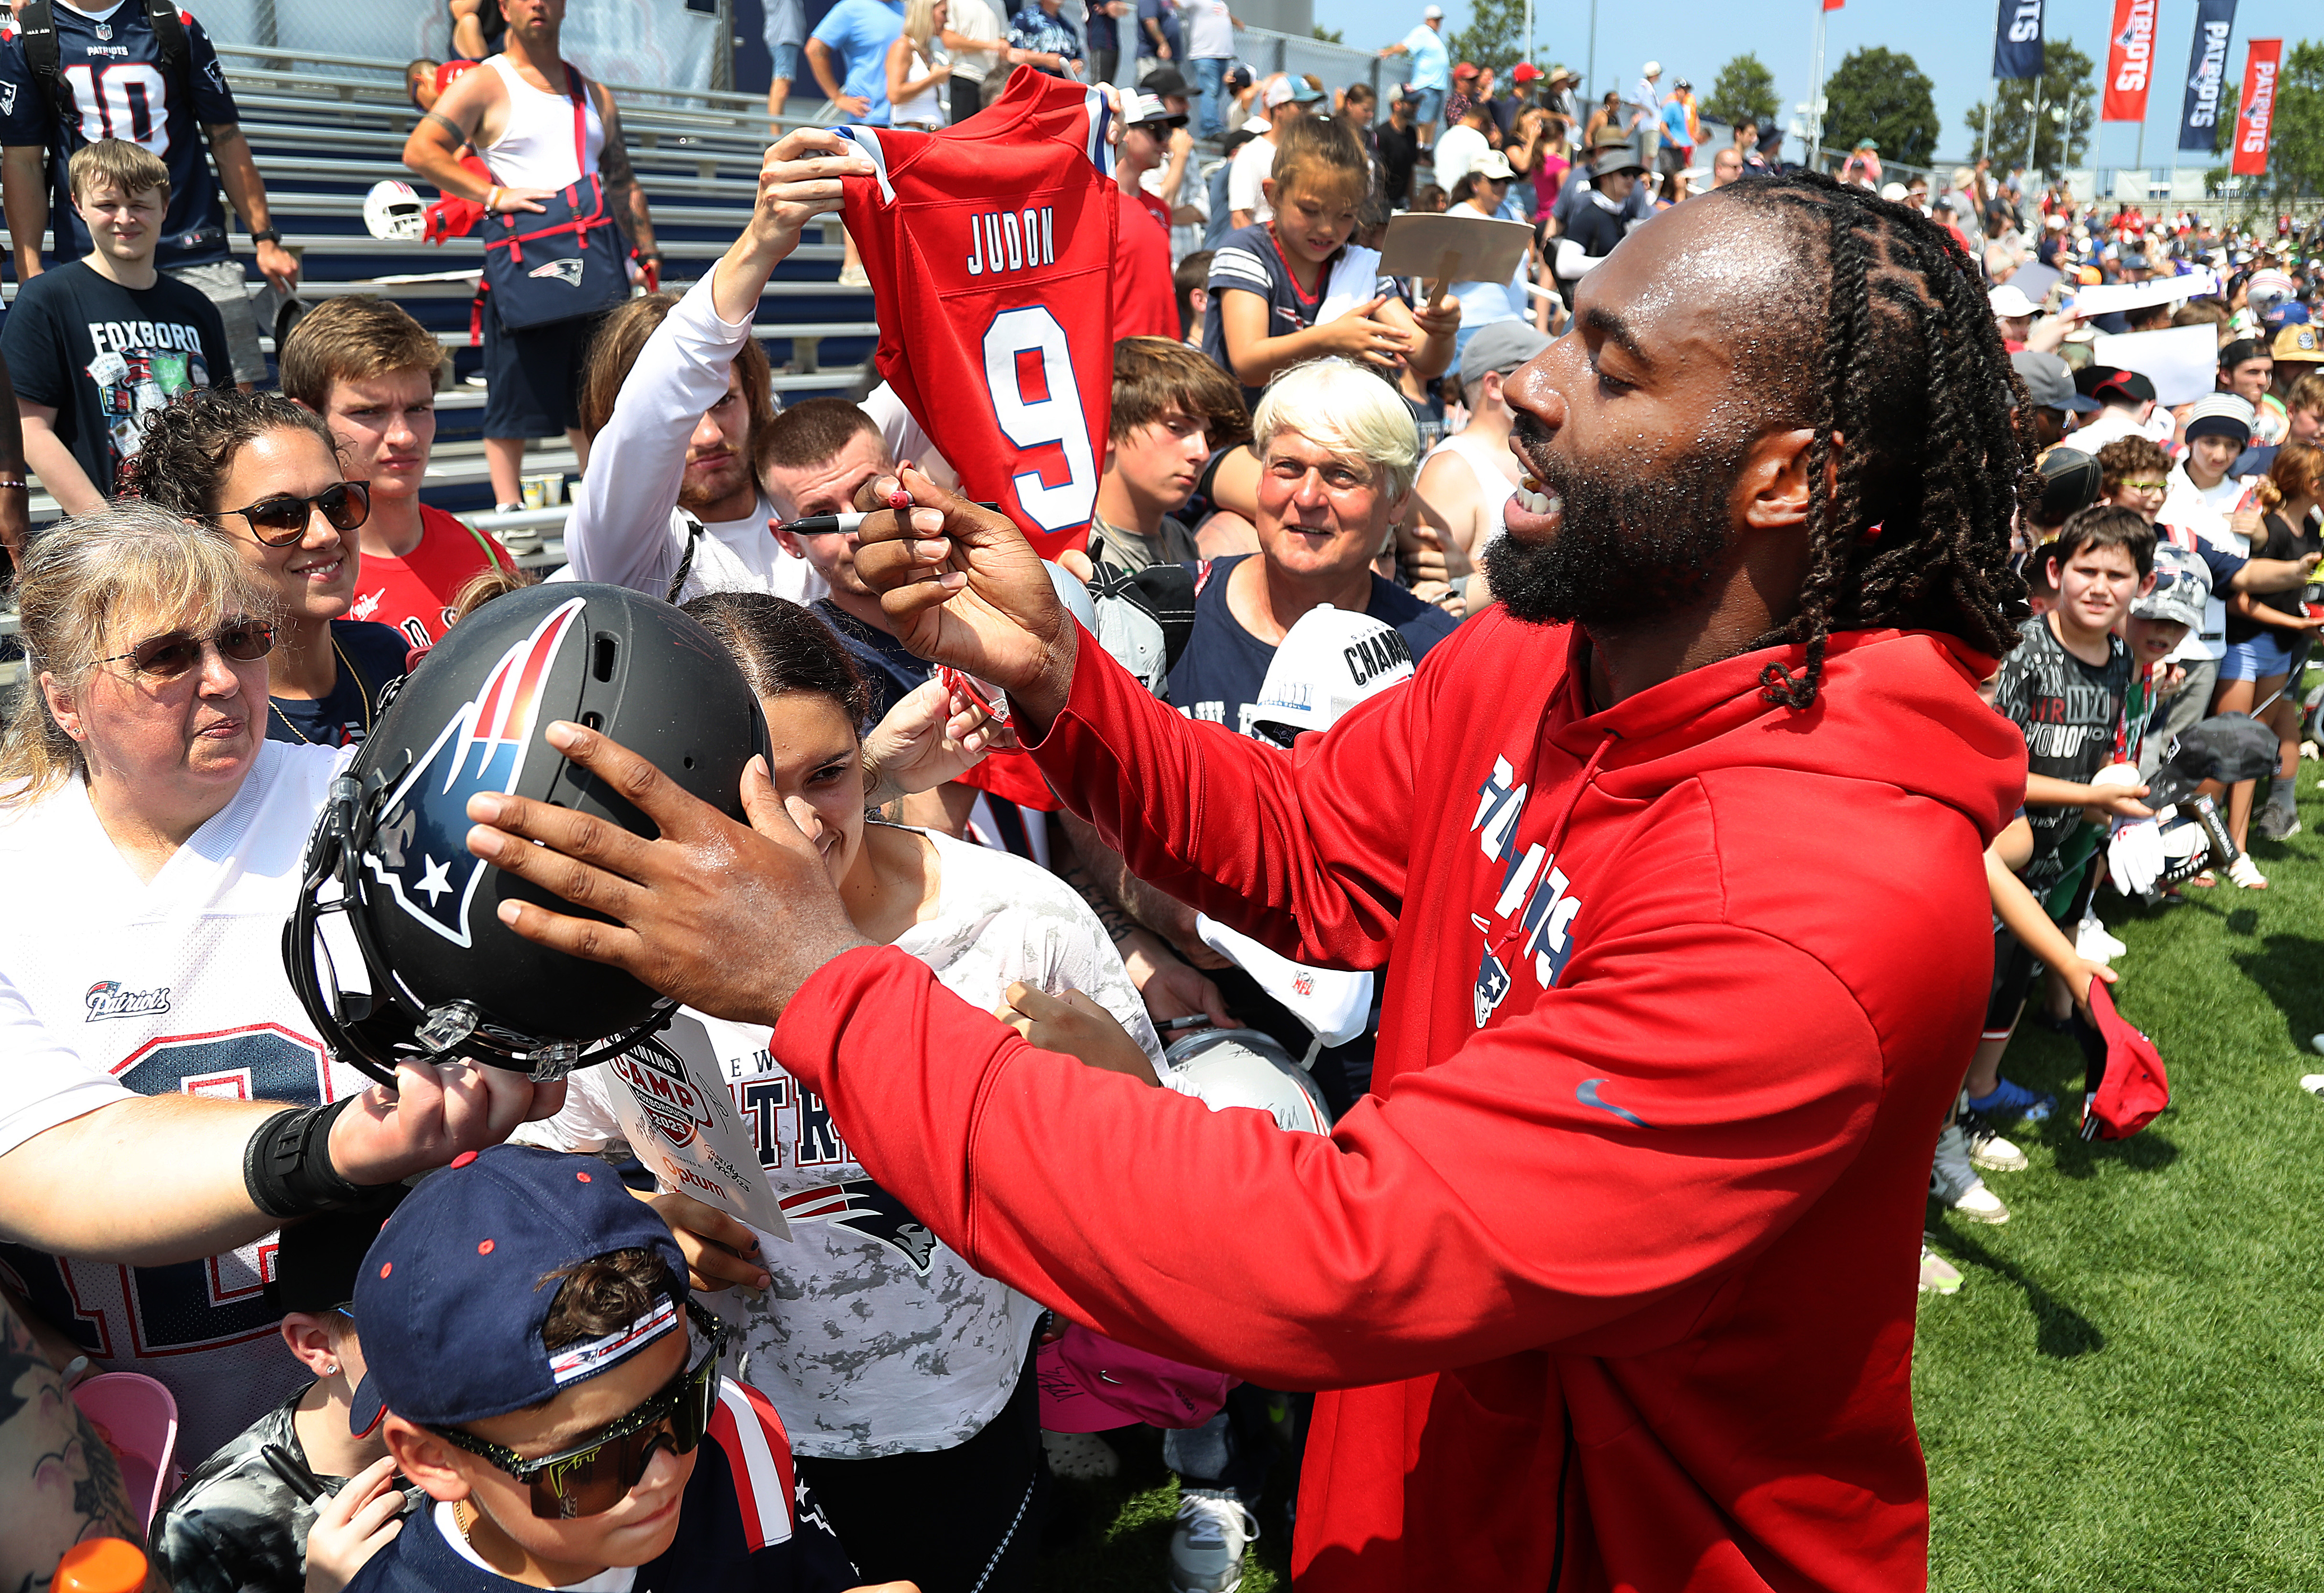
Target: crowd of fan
1306 462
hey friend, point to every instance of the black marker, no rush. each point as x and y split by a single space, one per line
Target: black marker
840 524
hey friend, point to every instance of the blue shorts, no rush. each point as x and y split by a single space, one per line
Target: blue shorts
1431 106
787 61
2263 658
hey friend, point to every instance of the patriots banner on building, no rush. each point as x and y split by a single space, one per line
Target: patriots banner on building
2255 111
2130 61
2207 74
2017 39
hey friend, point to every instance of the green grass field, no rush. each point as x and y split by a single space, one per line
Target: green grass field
2127 1394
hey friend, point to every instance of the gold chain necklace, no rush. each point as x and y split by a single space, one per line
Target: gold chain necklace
362 696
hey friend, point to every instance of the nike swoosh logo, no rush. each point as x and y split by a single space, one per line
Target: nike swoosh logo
1586 1092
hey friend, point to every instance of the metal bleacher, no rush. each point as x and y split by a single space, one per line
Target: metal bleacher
324 129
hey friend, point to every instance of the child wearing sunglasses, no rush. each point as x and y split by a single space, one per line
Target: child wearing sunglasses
537 1365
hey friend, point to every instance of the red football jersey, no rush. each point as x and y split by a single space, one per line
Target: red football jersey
414 593
1144 294
990 250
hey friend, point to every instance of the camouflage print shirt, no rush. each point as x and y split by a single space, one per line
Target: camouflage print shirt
239 1525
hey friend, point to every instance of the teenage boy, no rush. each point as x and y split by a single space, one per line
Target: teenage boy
539 1367
1294 289
97 344
299 1500
1172 410
371 372
2065 689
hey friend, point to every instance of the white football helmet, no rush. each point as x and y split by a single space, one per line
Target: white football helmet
1224 1068
392 209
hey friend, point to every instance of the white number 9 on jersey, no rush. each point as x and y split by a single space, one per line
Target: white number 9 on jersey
1034 422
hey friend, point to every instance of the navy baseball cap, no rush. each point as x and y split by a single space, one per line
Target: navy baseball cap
449 1299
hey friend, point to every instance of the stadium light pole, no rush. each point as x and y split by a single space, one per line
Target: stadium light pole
1592 63
1816 92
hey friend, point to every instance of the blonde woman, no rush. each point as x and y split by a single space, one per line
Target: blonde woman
919 67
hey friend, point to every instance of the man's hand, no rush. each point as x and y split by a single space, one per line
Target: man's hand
799 180
730 919
933 735
1168 985
1076 1026
853 105
432 1115
720 1252
278 265
352 1525
510 201
962 586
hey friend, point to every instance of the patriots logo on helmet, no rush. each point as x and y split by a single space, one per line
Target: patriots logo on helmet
568 271
863 1208
420 851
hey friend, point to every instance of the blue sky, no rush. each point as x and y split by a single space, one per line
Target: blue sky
1952 40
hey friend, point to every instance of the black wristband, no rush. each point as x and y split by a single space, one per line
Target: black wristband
267 235
287 1165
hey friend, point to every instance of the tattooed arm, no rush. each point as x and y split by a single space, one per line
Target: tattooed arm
624 195
58 1484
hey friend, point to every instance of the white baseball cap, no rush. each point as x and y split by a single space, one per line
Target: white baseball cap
1330 661
1654 69
1434 13
2009 300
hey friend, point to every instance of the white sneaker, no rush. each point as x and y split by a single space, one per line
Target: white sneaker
1938 1276
1955 1183
2313 1083
2093 944
1206 1546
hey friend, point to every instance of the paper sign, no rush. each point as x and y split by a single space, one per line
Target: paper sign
1453 249
2110 298
2182 362
680 1121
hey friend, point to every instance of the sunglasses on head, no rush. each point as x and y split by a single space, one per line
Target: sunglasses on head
281 519
591 1476
170 654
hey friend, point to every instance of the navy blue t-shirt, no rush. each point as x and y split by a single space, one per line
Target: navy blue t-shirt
370 656
1219 675
112 65
892 669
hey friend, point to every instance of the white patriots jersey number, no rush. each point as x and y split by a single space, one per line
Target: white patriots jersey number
189 1305
127 101
1026 348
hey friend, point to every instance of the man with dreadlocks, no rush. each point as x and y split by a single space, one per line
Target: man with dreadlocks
1674 863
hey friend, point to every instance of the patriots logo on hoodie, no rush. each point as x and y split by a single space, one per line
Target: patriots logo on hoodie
863 1208
420 851
1534 898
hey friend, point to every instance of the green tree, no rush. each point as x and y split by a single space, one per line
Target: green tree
2066 83
1495 36
1745 92
1881 95
1328 35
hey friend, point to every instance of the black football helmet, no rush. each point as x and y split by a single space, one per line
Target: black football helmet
388 864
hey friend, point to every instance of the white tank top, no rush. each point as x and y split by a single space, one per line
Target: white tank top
925 106
1495 486
535 150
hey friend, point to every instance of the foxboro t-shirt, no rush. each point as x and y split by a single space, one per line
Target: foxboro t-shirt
876 1339
1219 675
105 357
2071 714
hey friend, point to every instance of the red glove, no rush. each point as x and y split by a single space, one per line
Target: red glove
650 265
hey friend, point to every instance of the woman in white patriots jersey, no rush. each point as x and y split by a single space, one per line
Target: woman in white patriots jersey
151 838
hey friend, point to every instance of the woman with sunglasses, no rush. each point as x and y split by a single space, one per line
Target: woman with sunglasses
264 474
150 836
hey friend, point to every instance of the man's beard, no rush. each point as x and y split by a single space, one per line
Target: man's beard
1626 549
712 490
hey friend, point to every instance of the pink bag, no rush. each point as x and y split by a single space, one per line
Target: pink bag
1089 1383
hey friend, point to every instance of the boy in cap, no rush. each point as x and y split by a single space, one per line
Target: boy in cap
527 1332
298 1500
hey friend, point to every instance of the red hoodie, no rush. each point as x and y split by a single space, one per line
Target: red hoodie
1615 1267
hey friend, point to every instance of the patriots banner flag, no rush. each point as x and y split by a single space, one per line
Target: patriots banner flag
2255 112
2207 74
2017 39
2130 61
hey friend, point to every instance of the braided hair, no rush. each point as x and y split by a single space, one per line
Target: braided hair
1935 433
